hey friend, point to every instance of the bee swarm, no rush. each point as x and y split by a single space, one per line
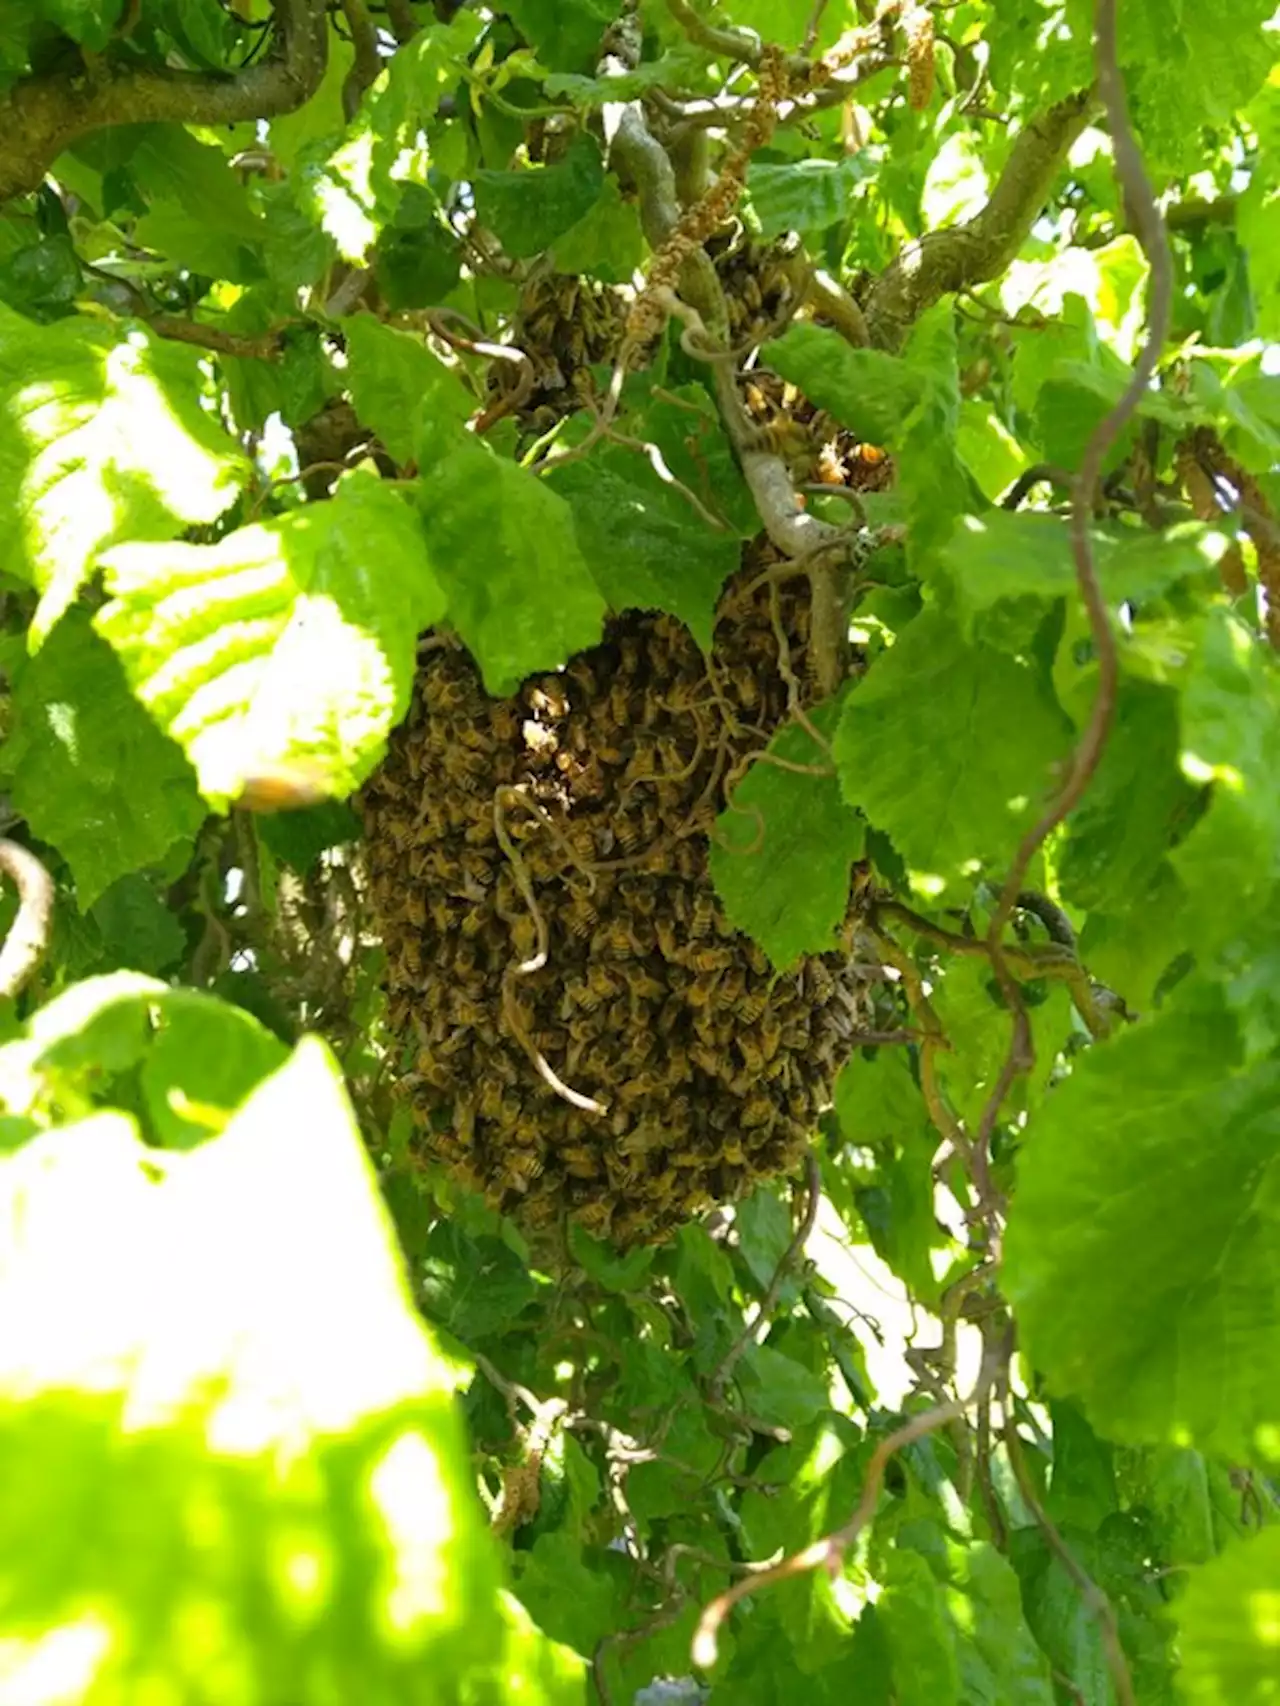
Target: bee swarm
594 790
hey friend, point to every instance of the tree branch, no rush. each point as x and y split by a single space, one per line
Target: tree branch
40 116
942 262
28 937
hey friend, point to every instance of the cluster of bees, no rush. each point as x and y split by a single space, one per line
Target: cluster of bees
539 873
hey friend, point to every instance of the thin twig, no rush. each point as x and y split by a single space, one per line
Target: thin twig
804 1231
525 968
266 346
28 938
1088 754
1095 1600
828 1553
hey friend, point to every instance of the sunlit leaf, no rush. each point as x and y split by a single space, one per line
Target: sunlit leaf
1227 1619
102 437
91 773
239 1440
1172 1203
290 642
948 748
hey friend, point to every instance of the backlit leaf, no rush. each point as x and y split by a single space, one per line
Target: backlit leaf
102 437
289 643
91 772
1153 1174
948 748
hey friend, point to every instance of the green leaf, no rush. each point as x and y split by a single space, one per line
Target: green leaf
1082 1487
606 243
101 439
504 547
475 1287
90 22
198 1057
204 1059
291 642
392 377
1135 807
1227 1623
912 1609
271 1439
880 1108
1151 1174
948 748
999 1658
1000 555
528 210
566 37
137 927
804 195
782 851
647 546
92 774
1231 737
778 1390
867 391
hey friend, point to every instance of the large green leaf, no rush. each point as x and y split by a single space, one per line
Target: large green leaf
195 1058
783 850
528 210
234 1461
1230 1636
804 195
648 548
92 774
1137 805
289 643
998 556
1230 737
567 37
1153 1174
393 377
504 547
948 748
867 391
102 438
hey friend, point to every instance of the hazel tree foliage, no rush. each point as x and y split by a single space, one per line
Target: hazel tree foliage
342 337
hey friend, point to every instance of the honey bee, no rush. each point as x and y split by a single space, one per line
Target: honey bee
770 1034
702 917
595 1217
710 959
287 786
619 703
445 692
520 1167
548 700
757 1111
580 1161
752 1057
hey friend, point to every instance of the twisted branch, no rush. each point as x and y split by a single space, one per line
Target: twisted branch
42 115
1088 753
942 262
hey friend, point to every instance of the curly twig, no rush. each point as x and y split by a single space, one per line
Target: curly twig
1087 755
804 1231
1095 1600
828 1553
28 938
